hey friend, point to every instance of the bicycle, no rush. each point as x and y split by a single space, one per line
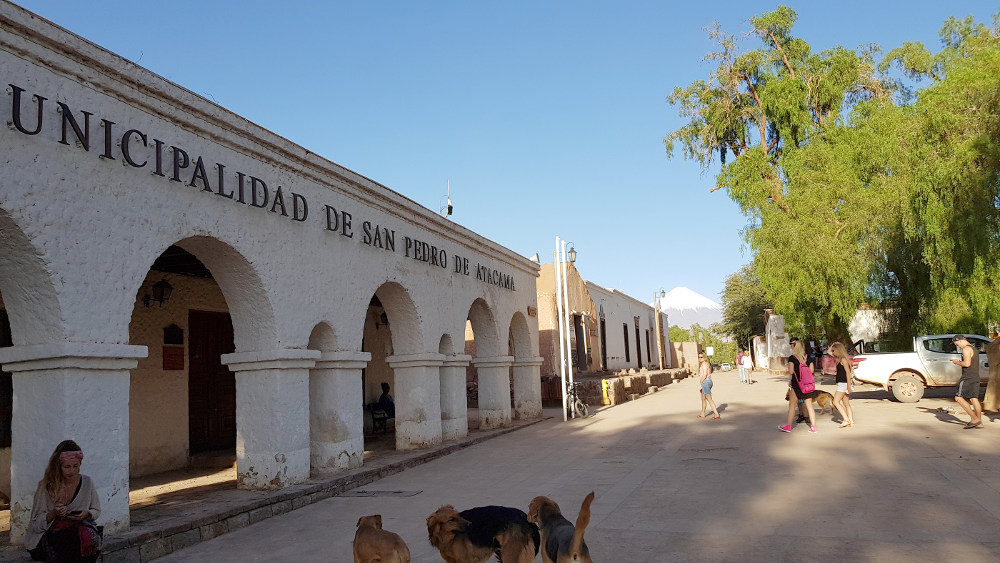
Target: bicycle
576 407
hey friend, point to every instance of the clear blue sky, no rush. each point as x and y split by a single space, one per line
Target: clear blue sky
548 118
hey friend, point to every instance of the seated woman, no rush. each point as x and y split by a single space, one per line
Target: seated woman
63 513
385 401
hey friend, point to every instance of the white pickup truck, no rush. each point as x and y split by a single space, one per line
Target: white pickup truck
929 365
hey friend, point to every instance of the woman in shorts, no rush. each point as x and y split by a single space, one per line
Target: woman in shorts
795 362
705 379
845 375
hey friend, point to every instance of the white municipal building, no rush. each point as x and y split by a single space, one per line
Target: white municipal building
175 279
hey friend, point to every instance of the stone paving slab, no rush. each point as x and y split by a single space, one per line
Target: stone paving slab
906 483
176 520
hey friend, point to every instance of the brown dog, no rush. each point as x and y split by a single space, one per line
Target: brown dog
561 541
823 399
477 534
372 543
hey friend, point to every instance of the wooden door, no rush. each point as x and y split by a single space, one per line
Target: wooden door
604 346
211 386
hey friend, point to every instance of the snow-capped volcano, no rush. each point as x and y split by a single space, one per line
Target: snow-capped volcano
685 308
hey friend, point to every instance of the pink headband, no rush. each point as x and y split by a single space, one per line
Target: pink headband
70 456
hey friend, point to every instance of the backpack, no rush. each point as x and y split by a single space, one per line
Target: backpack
806 382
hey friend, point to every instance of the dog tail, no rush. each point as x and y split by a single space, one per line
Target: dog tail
582 520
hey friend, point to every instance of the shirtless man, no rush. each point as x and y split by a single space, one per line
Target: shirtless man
968 386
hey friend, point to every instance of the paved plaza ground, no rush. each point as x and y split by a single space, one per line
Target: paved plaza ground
908 482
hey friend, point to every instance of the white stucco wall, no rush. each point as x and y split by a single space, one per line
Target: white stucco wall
84 215
620 309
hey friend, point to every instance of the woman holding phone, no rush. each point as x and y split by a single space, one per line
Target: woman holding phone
62 516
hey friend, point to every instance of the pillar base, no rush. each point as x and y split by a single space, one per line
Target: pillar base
272 415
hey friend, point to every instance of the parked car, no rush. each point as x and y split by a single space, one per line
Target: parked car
726 366
928 365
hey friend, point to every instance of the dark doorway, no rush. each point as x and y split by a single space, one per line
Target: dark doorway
211 386
581 344
638 345
628 357
604 346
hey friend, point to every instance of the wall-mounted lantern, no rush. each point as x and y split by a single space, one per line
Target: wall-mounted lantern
161 293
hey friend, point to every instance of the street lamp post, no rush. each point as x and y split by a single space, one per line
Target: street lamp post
562 309
657 295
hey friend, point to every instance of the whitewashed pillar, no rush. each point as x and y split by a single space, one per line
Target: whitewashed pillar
71 391
527 388
272 416
454 397
336 410
494 391
418 399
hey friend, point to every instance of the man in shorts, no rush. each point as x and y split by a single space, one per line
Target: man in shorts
967 389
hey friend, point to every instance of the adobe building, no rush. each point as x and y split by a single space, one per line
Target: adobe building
609 330
629 337
177 280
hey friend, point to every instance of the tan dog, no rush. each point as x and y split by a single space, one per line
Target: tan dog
561 541
823 399
372 543
477 534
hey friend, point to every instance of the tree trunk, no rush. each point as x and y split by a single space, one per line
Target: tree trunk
992 401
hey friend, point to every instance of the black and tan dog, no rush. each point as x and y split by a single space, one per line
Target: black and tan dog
372 543
476 534
823 399
561 541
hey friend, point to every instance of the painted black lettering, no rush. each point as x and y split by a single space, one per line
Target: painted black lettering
332 219
108 144
300 207
126 147
82 135
279 199
407 246
15 112
254 182
222 182
181 160
159 157
345 222
390 240
241 186
200 174
443 259
366 232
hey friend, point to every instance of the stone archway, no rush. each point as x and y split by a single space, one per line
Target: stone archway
336 437
492 370
525 370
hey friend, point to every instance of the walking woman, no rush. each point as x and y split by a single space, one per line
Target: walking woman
845 375
62 516
705 379
796 362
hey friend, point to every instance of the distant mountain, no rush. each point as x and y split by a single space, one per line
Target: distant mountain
685 308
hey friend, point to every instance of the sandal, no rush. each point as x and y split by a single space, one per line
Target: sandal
716 417
701 416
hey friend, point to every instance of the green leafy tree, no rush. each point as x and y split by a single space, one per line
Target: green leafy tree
678 334
852 198
743 304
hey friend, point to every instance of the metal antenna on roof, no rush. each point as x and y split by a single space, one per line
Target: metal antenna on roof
447 208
